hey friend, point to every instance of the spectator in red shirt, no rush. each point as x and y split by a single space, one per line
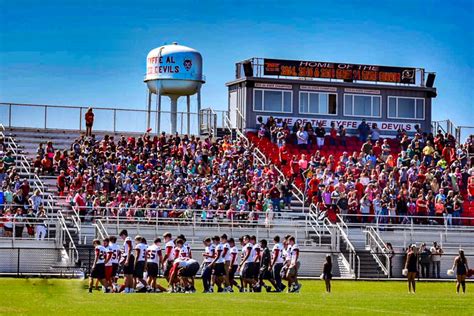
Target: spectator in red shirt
89 117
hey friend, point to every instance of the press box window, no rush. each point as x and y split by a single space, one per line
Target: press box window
407 108
272 101
362 105
318 103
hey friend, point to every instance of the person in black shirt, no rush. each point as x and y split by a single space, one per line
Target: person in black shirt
320 133
327 273
411 264
460 263
265 270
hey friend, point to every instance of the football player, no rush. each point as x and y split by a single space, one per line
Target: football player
98 267
154 259
128 261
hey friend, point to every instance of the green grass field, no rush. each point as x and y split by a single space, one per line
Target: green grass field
69 297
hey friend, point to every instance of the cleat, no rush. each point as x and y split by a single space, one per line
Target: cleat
297 288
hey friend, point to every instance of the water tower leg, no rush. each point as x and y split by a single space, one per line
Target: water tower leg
188 104
158 113
148 118
199 110
174 113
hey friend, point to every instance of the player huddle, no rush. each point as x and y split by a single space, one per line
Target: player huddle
141 264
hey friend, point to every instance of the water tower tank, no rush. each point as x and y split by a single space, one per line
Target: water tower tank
174 70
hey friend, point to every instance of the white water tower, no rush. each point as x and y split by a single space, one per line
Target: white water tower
174 71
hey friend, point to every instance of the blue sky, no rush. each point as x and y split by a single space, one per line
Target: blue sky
93 52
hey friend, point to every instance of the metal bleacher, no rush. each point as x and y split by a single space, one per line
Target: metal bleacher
356 254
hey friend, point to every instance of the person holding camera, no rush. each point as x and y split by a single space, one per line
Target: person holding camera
436 253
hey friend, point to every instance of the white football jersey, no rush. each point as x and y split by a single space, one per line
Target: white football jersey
169 248
188 247
278 252
294 254
109 252
115 253
245 249
183 252
100 253
226 251
128 245
234 251
209 250
254 253
220 253
153 254
143 250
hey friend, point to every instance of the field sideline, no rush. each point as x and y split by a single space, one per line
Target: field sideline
59 296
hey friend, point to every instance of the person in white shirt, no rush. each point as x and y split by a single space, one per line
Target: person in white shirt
277 263
208 255
233 263
169 255
108 263
227 267
292 274
140 262
182 273
302 138
256 257
154 258
188 273
116 253
41 225
436 253
218 264
128 261
186 247
247 267
98 267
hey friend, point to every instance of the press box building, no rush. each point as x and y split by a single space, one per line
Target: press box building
309 91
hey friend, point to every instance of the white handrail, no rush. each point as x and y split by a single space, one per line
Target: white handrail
64 228
313 222
377 246
344 225
352 252
101 229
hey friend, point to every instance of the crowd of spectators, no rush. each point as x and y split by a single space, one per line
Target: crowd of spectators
165 176
393 179
21 208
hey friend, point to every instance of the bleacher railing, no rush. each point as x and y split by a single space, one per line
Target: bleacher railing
66 238
409 222
113 119
290 222
378 249
447 126
22 226
349 254
25 167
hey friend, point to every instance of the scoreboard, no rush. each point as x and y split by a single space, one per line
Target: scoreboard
328 70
